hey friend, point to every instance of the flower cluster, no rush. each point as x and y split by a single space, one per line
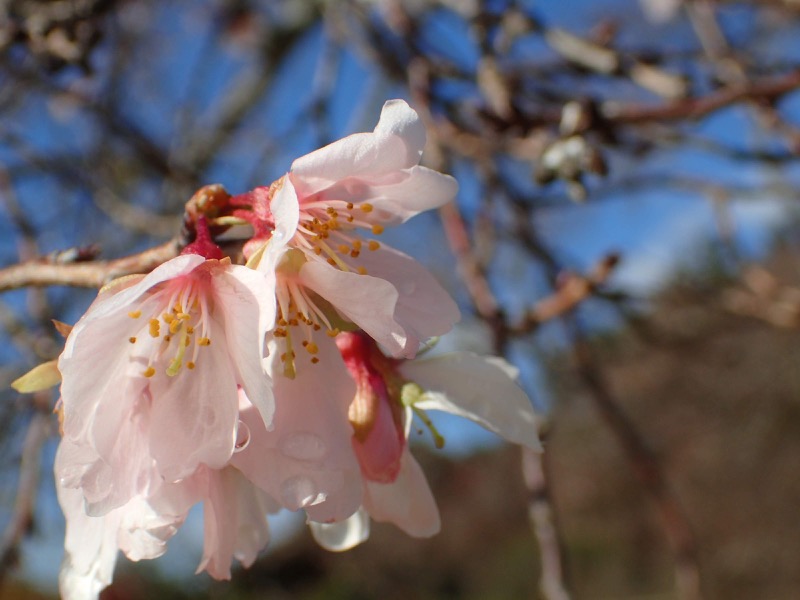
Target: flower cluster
286 382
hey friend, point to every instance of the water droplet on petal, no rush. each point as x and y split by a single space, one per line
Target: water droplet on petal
303 446
300 492
407 287
242 437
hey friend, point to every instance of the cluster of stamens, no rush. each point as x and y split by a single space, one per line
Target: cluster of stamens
326 231
175 328
307 320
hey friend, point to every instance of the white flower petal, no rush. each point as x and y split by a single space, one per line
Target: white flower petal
247 304
407 502
306 459
396 144
343 535
367 301
90 549
194 414
424 309
235 518
422 189
107 304
478 389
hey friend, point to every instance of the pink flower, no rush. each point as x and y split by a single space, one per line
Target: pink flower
234 517
320 221
151 372
390 393
294 465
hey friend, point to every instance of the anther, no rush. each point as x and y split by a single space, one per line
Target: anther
366 207
311 347
377 229
149 371
349 206
314 360
373 245
154 328
135 314
204 341
333 332
132 340
362 271
190 365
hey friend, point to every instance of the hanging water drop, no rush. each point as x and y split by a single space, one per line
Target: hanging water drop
242 437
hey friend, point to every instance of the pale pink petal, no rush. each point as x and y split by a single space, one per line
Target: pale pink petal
396 143
306 459
194 413
99 343
477 388
90 549
246 300
395 197
286 213
423 189
367 301
424 309
235 517
398 118
144 531
102 351
107 304
343 535
408 502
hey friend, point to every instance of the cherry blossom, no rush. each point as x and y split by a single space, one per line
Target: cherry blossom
235 526
151 373
321 221
390 393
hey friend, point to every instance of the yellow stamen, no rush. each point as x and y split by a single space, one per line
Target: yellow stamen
377 229
190 365
362 271
373 245
135 314
149 371
132 340
366 207
154 328
311 348
204 341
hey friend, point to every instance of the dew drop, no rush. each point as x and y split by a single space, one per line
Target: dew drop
407 287
303 446
299 492
242 437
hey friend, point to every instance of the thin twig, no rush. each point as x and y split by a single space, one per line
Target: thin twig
43 272
543 522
